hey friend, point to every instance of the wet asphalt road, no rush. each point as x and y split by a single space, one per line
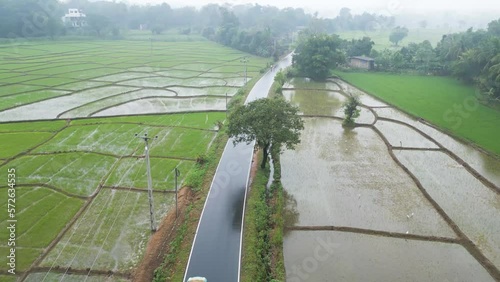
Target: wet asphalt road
216 250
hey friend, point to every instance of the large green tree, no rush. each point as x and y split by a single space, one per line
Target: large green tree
266 121
317 55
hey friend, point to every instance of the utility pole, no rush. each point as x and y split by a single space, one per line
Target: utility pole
150 181
245 61
226 105
177 173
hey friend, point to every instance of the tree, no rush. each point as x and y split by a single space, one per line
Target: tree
398 34
351 111
359 47
267 121
98 23
494 28
317 55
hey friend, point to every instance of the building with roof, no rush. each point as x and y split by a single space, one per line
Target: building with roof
75 18
362 62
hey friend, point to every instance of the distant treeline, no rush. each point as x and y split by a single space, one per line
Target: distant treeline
471 56
261 30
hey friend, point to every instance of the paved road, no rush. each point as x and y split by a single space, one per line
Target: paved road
216 250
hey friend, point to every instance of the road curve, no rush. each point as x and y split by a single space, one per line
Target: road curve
216 250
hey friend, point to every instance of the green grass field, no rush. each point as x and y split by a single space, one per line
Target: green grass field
443 101
381 37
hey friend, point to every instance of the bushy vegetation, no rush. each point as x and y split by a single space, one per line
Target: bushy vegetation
351 111
262 258
317 54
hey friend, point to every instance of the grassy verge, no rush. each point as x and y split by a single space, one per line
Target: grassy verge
199 180
262 258
443 101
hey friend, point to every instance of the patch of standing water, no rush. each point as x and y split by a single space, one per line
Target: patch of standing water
89 109
342 256
49 109
122 76
189 91
170 105
315 102
347 178
399 135
486 165
472 206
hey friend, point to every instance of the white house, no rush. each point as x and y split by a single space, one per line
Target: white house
75 18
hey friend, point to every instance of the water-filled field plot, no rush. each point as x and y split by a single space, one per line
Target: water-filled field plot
108 79
97 163
392 193
339 256
380 196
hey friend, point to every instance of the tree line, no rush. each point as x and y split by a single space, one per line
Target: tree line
471 56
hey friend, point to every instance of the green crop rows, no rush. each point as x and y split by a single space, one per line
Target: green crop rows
81 179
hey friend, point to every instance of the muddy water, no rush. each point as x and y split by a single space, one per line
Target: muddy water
336 256
169 105
316 102
306 83
485 164
454 189
347 178
402 136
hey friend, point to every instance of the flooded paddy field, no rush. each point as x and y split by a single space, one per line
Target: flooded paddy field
394 200
87 81
343 256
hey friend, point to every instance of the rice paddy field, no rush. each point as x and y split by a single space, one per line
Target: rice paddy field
392 199
443 101
69 112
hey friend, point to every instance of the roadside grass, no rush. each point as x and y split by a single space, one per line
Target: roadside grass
255 260
262 257
41 214
443 101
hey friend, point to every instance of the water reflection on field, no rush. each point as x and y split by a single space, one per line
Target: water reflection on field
346 179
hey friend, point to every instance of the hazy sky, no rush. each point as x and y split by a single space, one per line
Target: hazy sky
331 7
